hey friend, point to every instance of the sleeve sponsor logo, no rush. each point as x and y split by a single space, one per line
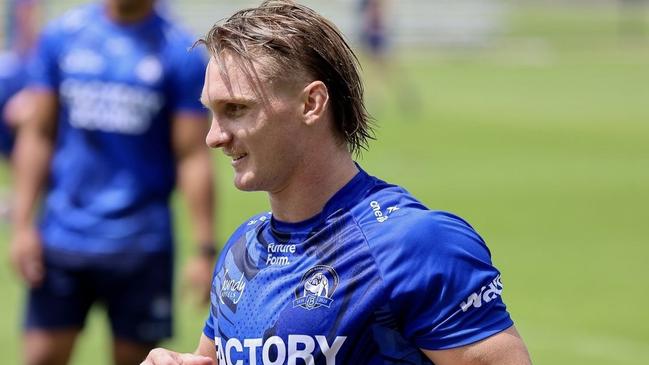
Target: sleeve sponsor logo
486 295
316 288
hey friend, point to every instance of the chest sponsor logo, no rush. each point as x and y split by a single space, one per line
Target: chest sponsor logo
316 288
232 289
486 295
109 106
278 254
275 351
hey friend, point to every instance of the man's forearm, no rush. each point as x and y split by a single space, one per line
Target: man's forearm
30 162
196 182
32 153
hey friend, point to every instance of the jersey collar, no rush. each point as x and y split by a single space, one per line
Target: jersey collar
344 198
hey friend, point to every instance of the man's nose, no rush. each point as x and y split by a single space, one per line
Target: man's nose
217 136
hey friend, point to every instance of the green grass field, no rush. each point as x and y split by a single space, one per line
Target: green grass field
541 142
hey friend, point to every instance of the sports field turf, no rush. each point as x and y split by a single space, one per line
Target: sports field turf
542 143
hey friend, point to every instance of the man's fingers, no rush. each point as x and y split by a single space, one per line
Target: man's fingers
34 272
160 356
191 359
31 269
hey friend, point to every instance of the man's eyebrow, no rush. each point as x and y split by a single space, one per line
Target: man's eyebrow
232 100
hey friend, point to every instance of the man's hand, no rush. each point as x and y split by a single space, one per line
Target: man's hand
198 277
160 356
26 254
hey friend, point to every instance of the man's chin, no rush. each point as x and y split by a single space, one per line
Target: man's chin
244 184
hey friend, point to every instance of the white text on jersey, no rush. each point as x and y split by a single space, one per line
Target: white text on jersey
487 294
275 259
298 347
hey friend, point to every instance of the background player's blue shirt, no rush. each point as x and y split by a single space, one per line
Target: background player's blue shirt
372 279
113 167
12 79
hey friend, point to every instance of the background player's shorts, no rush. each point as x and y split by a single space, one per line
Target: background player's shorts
6 138
136 290
375 42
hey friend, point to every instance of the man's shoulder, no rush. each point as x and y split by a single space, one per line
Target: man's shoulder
10 65
392 219
175 33
250 224
386 207
73 21
178 46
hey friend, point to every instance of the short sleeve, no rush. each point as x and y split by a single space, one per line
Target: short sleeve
442 284
187 80
43 67
209 329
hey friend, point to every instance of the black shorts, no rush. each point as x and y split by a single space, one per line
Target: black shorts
136 291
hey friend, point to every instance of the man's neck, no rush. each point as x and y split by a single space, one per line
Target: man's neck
129 13
308 192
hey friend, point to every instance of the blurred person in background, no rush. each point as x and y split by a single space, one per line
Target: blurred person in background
392 81
374 32
116 124
22 29
347 269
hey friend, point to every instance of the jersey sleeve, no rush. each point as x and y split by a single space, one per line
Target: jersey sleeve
187 80
442 284
43 67
210 322
209 329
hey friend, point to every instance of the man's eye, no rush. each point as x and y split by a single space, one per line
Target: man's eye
234 110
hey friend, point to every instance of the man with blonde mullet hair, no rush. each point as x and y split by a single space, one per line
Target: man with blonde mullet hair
346 268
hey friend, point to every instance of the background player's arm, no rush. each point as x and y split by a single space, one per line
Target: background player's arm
504 348
195 180
31 160
205 354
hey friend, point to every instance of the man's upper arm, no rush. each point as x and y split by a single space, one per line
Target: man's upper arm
41 115
504 348
188 134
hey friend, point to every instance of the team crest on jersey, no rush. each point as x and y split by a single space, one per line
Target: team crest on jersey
316 288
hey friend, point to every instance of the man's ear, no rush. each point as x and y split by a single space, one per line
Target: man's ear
316 100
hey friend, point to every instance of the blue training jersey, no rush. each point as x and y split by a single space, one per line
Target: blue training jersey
372 279
12 78
113 169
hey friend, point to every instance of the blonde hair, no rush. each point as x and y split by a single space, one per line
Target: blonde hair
296 39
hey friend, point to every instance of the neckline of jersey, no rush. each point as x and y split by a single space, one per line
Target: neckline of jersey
347 195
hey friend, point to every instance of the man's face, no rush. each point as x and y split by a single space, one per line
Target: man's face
131 5
262 135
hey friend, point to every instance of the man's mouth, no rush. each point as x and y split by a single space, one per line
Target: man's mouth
237 157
